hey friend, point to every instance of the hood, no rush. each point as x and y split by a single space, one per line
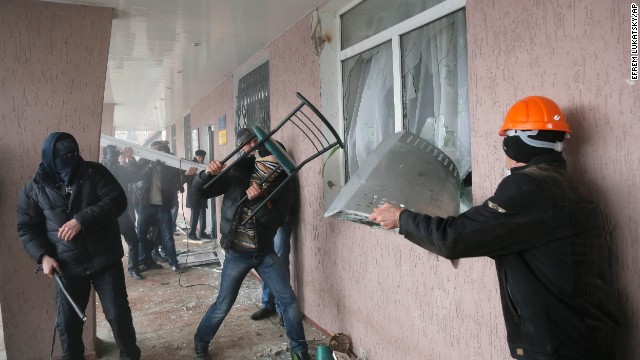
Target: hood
48 154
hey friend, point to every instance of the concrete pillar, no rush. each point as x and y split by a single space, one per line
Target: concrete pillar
52 78
107 119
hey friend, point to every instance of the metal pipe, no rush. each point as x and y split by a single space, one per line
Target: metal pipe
66 294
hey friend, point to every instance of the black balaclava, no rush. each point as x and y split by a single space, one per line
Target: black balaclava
110 155
61 157
518 150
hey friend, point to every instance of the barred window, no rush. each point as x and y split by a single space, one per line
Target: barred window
252 99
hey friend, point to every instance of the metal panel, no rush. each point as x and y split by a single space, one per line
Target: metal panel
403 170
150 154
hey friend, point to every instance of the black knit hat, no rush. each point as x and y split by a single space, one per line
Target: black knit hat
520 151
201 153
243 136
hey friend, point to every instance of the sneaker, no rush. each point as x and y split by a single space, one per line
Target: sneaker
150 265
136 274
205 236
263 313
176 267
192 237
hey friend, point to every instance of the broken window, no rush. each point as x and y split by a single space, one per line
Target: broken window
435 88
404 69
368 103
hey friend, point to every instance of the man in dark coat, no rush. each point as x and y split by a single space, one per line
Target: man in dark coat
249 245
126 175
67 222
157 194
545 236
197 205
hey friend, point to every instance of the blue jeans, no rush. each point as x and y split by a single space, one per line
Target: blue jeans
237 265
282 246
149 215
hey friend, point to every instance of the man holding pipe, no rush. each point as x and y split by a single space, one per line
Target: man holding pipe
68 222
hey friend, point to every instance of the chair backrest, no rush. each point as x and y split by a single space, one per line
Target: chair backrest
307 120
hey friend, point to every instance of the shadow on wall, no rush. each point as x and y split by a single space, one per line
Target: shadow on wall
581 137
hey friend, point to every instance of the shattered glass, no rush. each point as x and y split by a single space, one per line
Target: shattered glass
368 103
435 89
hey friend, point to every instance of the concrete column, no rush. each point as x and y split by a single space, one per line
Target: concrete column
52 78
107 119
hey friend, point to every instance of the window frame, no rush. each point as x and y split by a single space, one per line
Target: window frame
392 34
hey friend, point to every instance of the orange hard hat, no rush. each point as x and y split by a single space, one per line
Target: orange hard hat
535 113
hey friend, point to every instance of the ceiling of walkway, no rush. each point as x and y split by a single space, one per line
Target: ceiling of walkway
165 55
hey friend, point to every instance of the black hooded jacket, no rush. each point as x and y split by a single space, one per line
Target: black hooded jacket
95 202
548 244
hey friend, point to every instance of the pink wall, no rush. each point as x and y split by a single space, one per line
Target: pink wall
217 103
576 52
52 78
397 300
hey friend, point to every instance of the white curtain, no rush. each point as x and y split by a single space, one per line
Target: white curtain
435 86
369 109
435 100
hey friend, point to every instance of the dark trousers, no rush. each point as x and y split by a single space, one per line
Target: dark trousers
149 215
110 286
198 213
128 230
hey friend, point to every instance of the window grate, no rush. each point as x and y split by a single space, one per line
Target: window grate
252 99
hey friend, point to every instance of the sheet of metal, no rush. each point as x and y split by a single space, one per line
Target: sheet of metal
150 154
403 170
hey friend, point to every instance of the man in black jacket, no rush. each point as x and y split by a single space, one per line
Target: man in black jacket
248 246
157 196
67 221
197 205
546 239
126 175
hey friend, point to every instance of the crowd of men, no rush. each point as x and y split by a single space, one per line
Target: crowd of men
545 236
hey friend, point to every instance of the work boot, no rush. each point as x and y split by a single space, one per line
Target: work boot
303 355
201 350
263 313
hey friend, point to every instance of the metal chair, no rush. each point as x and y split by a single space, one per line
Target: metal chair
304 118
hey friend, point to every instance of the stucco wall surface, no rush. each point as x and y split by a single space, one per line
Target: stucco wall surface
209 109
52 78
577 53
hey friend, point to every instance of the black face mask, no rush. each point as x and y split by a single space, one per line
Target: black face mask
66 166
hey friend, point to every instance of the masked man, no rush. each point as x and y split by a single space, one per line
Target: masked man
68 222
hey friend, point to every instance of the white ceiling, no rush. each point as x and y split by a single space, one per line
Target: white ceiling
165 55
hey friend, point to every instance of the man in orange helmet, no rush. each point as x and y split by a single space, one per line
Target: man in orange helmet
545 236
